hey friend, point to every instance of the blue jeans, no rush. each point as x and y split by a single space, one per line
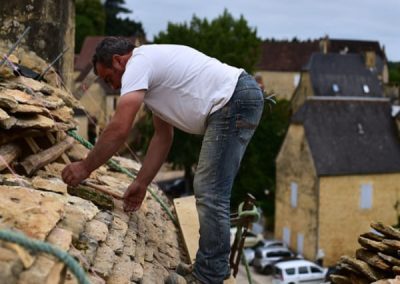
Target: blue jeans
228 132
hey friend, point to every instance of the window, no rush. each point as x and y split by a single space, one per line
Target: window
335 88
303 270
293 194
366 192
366 89
296 79
315 270
286 236
300 243
290 271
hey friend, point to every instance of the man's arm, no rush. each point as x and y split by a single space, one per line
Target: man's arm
110 140
157 152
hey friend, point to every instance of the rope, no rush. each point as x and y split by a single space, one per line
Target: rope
117 167
253 212
39 246
246 265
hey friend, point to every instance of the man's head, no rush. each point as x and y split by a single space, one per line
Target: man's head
110 59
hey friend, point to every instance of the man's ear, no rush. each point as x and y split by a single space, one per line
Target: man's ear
117 61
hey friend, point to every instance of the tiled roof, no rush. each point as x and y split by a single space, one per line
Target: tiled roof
293 55
355 46
347 72
350 136
286 55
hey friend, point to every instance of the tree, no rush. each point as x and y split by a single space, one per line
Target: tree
90 20
116 26
394 72
225 38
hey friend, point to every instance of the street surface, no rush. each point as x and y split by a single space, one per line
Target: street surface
256 277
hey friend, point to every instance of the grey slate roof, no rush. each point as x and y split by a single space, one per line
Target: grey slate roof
350 136
347 71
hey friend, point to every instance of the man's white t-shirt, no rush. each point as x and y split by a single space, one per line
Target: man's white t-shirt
184 86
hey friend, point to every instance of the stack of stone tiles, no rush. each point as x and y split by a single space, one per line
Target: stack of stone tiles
376 261
111 245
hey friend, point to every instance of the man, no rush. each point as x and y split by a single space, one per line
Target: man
186 89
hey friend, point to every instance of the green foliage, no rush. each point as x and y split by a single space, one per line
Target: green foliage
116 26
257 172
225 38
90 20
394 72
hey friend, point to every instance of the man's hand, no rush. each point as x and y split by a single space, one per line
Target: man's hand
74 173
134 196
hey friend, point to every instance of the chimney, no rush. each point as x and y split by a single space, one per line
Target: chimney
370 59
324 44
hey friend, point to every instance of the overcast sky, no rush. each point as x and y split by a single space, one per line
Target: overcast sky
285 19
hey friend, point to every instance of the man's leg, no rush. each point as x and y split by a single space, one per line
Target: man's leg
228 133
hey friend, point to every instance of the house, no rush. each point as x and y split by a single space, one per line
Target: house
280 65
335 74
281 62
337 170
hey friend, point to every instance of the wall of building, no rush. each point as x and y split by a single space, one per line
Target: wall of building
52 29
82 128
303 91
282 84
294 164
94 102
341 219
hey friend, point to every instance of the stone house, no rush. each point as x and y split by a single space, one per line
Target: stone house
282 62
337 170
335 74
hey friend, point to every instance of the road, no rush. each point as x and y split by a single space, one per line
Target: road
256 277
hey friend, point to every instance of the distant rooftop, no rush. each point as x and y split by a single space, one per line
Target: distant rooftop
335 74
293 55
350 135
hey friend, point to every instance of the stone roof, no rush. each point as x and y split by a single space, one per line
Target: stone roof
286 55
350 136
291 56
347 72
112 246
355 46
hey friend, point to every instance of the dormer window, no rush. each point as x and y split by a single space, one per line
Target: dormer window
335 88
366 89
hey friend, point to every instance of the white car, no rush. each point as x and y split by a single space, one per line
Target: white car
251 238
266 257
298 271
249 253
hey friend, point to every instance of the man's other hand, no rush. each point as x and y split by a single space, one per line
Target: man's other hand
74 173
134 197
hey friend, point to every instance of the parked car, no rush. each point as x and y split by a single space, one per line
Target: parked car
298 271
251 238
249 253
265 257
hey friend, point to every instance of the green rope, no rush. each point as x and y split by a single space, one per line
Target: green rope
117 167
39 246
246 265
253 212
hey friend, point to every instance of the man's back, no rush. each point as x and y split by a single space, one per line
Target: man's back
183 85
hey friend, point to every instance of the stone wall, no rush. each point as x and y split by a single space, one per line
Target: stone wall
294 164
52 29
282 84
341 218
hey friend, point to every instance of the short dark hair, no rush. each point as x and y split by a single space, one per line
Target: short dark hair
108 47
